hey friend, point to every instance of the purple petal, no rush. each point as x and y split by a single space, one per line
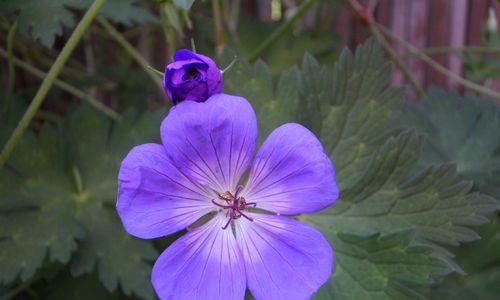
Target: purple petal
291 173
203 264
212 141
214 78
176 70
154 198
284 259
185 54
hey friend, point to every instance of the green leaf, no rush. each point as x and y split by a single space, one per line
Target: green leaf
434 203
57 190
118 257
36 218
380 267
481 262
273 108
43 19
361 108
381 198
66 287
464 131
46 19
122 11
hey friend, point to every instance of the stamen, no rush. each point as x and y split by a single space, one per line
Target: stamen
238 190
220 205
235 206
227 223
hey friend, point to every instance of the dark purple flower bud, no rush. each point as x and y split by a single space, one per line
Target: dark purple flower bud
191 76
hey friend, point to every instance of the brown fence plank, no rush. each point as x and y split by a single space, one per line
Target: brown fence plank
439 20
458 27
400 26
418 36
478 13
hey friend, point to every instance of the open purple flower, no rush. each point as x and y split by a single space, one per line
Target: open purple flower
191 76
207 148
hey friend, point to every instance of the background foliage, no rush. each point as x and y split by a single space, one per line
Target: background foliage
417 217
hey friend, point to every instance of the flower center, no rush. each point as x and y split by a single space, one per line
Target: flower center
190 74
234 205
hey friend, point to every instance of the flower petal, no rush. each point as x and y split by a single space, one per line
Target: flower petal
205 263
291 174
154 198
212 141
284 259
214 77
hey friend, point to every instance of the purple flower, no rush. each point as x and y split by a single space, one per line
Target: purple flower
191 76
247 242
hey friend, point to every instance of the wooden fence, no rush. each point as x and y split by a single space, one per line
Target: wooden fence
423 23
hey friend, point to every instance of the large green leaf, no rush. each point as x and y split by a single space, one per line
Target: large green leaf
119 258
375 267
481 262
388 227
434 203
66 287
464 131
46 19
273 107
36 218
57 189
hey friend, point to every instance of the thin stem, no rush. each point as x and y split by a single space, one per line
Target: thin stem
11 294
120 39
397 61
157 72
49 80
446 50
220 42
96 103
268 42
11 69
435 65
231 64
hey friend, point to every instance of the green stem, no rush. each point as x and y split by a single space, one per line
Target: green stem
268 42
131 51
11 294
435 65
446 50
66 87
220 41
11 69
397 61
48 81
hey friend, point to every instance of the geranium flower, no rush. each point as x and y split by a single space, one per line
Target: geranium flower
191 76
247 241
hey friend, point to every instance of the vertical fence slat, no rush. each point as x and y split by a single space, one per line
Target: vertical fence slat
438 35
458 26
418 36
343 27
264 10
383 13
400 27
478 13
